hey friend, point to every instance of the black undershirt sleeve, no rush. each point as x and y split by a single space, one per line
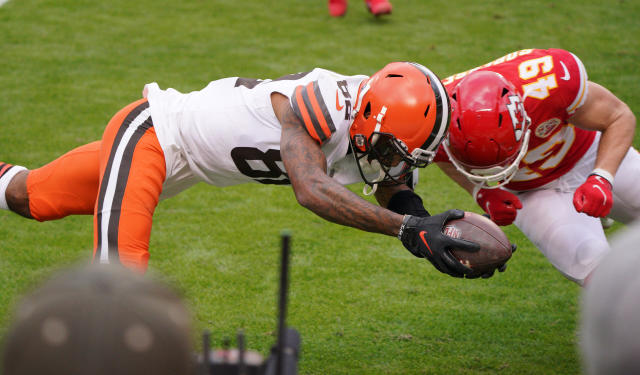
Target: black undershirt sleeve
406 202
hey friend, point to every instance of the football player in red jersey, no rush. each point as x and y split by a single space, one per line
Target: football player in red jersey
538 144
237 130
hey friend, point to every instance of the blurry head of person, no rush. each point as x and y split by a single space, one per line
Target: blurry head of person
610 321
99 320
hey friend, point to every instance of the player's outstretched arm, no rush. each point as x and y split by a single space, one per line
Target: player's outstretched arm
456 176
384 193
501 205
306 167
400 199
604 112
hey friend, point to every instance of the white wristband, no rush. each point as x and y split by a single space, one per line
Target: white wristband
604 174
402 227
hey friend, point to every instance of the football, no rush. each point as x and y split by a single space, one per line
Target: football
495 248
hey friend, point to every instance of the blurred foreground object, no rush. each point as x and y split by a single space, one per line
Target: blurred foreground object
283 359
610 324
99 320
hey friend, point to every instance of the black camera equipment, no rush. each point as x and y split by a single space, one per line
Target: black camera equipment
283 359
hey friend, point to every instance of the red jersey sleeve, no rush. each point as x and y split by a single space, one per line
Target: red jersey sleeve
308 104
571 80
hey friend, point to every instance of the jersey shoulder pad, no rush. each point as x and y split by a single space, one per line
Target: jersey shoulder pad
571 78
309 103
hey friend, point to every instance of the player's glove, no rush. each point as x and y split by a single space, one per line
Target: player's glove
423 237
594 196
501 268
501 205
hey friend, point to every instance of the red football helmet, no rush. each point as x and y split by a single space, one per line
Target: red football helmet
489 132
401 116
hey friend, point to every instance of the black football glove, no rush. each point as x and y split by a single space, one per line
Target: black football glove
500 268
423 237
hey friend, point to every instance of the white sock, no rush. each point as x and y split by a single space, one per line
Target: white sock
4 183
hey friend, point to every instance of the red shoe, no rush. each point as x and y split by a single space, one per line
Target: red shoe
337 8
379 7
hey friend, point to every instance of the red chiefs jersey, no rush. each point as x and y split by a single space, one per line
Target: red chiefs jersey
553 83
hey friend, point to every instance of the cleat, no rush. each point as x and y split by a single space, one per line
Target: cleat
337 8
378 7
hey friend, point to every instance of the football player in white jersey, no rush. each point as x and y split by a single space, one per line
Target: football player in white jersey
316 131
537 144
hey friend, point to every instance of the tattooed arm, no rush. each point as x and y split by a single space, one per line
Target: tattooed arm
306 166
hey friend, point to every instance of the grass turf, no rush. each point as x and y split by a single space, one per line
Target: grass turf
363 304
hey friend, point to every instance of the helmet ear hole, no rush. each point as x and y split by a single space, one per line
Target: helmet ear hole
426 112
505 91
367 110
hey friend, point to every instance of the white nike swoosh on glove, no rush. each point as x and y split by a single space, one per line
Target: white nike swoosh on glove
603 193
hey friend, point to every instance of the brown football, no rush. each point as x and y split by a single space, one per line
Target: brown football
495 248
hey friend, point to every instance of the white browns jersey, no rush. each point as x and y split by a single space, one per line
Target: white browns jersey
227 133
553 83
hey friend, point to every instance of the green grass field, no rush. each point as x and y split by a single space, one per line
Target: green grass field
362 303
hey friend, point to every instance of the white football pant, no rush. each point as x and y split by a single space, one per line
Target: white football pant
575 242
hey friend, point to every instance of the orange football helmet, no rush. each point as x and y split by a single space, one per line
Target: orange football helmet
402 115
489 132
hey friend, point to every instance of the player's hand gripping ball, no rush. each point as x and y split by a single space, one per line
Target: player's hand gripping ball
424 238
495 247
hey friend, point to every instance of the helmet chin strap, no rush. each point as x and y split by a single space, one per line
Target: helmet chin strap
372 166
370 189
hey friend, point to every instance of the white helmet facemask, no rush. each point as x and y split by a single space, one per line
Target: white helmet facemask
494 177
